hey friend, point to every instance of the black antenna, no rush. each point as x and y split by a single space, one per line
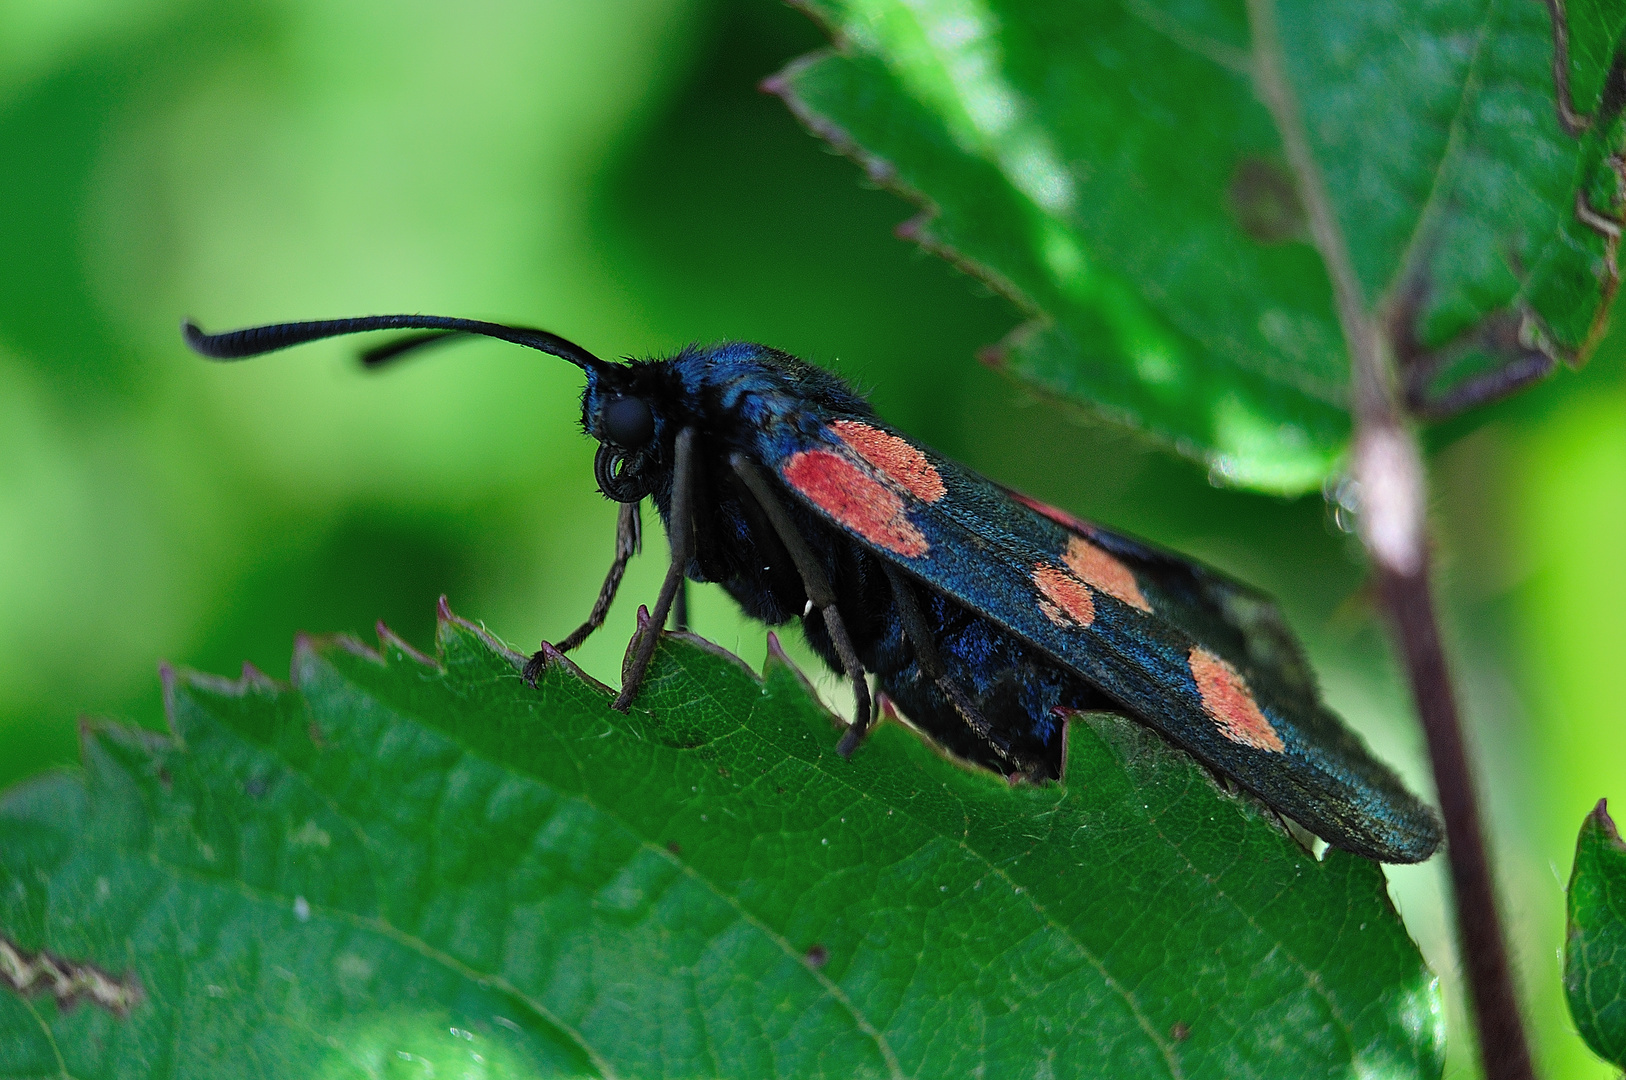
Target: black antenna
256 340
412 343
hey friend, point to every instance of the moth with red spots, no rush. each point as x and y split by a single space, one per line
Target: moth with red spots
986 617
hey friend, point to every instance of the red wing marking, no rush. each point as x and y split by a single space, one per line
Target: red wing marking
1104 572
893 458
1229 703
1060 517
856 500
1066 599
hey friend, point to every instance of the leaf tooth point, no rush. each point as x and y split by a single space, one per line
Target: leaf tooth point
1600 813
355 646
552 657
884 708
388 639
253 678
448 624
777 657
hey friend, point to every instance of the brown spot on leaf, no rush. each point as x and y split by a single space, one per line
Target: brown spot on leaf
1264 202
817 957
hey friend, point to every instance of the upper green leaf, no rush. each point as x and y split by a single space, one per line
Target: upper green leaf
397 861
1595 949
1114 169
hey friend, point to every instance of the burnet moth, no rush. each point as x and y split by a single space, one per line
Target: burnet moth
986 617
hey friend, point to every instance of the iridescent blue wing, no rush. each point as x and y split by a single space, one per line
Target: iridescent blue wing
1204 659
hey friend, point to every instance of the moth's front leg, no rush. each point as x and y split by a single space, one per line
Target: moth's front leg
680 530
629 541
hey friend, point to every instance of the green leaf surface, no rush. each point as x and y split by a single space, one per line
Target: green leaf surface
1115 169
398 867
1595 948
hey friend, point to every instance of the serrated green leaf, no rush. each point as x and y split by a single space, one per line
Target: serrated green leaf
1113 168
395 866
1595 947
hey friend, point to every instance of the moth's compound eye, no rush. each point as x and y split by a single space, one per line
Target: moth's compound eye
628 422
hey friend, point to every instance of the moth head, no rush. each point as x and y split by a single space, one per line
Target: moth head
622 409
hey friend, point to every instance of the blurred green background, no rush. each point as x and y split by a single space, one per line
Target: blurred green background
609 170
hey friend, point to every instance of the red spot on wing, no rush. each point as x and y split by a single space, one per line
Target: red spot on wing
855 500
1066 600
893 458
1230 704
1060 517
1104 572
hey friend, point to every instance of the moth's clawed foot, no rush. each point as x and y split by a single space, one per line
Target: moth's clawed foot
1027 771
539 661
849 742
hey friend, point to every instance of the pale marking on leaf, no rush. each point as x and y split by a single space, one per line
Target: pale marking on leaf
67 981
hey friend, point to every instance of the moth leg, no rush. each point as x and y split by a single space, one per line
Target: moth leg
680 606
920 636
819 593
680 529
629 541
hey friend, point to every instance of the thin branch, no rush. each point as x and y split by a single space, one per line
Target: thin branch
1388 467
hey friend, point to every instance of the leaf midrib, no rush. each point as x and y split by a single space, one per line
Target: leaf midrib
1335 254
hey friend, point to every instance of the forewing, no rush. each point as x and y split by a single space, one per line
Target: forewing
1233 619
1203 659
